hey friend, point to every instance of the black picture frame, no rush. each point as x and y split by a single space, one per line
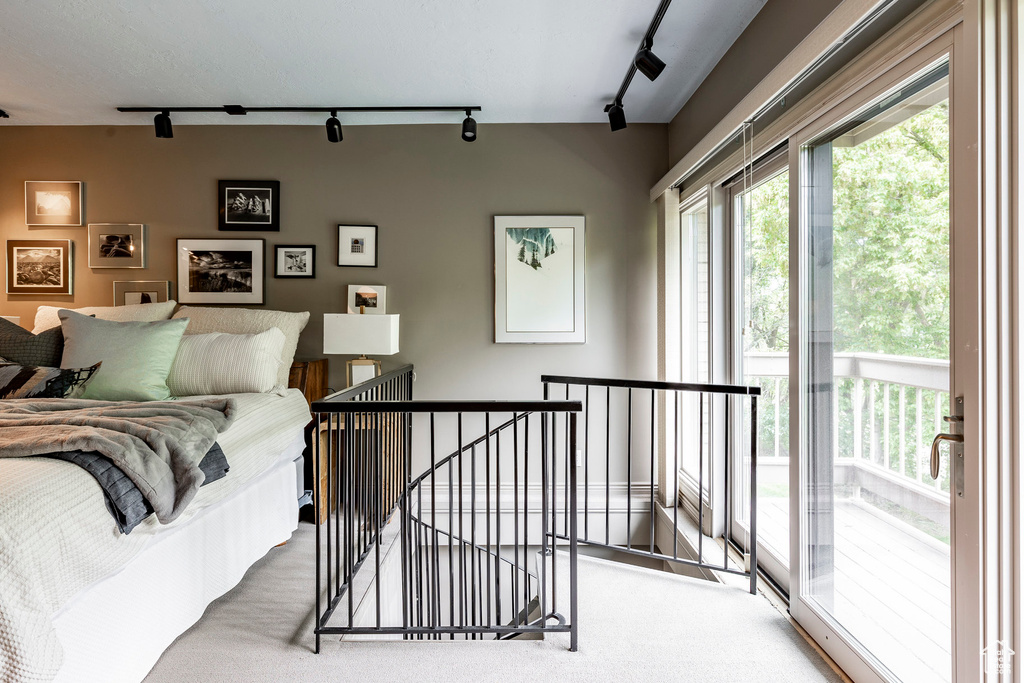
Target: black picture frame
282 268
239 205
367 255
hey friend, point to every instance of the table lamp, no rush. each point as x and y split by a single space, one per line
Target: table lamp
350 334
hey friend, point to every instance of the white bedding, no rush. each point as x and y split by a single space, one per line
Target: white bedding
57 537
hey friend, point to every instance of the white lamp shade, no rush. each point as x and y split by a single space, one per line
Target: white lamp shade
346 333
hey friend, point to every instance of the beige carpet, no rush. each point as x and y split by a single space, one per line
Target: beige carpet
635 625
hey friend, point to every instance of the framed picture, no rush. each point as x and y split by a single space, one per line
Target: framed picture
53 202
250 205
117 245
141 292
227 271
539 293
357 246
39 267
371 299
294 260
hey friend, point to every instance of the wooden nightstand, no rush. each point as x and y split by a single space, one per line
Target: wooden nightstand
310 377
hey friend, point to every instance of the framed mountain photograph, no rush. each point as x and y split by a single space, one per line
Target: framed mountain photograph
39 267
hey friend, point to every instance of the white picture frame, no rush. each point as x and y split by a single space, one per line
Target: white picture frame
539 280
203 263
373 299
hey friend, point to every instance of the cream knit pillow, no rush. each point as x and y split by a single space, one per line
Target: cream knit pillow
220 363
46 316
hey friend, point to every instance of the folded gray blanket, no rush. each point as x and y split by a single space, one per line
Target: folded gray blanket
158 444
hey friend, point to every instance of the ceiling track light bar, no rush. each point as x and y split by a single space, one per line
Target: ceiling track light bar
645 44
239 110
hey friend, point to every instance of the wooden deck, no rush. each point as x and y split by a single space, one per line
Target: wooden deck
892 587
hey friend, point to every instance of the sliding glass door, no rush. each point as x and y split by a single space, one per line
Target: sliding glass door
875 383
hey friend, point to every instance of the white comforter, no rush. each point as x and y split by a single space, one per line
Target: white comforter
57 537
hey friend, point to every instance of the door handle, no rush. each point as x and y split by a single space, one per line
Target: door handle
939 438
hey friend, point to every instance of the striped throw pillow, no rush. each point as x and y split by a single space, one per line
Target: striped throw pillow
221 363
29 381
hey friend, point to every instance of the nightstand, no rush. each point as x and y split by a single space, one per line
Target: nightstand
310 377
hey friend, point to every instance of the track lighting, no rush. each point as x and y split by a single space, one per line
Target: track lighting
162 123
616 117
647 62
3 114
334 127
469 128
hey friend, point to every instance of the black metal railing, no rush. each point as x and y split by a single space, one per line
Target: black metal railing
613 431
464 550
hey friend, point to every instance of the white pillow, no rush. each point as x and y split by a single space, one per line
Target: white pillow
46 316
203 320
221 363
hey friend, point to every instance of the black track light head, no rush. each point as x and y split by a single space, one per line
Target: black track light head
469 128
334 128
647 62
162 123
616 117
3 114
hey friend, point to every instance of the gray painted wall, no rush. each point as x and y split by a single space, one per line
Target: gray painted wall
775 31
433 197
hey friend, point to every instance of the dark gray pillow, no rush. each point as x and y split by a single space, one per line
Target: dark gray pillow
20 346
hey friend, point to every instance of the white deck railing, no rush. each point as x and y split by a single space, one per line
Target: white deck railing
885 412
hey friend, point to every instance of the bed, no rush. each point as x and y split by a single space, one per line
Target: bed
91 603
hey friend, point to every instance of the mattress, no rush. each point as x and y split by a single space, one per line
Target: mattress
57 538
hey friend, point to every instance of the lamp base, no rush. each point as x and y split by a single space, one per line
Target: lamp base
362 369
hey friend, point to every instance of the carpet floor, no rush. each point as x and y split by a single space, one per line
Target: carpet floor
635 625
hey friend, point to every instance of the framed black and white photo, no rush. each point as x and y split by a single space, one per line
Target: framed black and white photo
228 271
53 202
250 205
539 285
357 246
39 267
368 299
141 292
294 260
117 245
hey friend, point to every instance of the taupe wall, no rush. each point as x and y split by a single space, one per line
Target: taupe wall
433 197
775 31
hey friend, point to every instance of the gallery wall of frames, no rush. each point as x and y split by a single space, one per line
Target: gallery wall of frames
396 220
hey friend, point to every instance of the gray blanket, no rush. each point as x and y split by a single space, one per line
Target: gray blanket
158 444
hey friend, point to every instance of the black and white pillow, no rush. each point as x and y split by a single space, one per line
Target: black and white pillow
30 381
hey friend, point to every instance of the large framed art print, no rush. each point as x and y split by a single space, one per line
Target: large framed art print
539 282
227 271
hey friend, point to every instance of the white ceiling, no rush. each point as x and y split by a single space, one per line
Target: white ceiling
74 61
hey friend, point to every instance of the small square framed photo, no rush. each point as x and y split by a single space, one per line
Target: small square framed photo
250 205
369 299
294 260
53 202
357 246
39 267
131 292
227 271
117 245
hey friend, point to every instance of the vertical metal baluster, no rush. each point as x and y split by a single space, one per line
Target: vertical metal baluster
487 514
753 496
526 507
331 589
675 475
515 517
607 465
316 523
653 397
472 536
728 483
433 517
629 469
700 485
451 536
497 529
554 508
573 532
544 517
570 461
350 506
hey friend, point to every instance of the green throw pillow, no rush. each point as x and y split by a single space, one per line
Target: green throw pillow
136 356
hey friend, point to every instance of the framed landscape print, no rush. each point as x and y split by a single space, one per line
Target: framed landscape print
117 245
539 284
228 271
141 292
368 299
39 267
357 245
53 202
294 261
250 205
